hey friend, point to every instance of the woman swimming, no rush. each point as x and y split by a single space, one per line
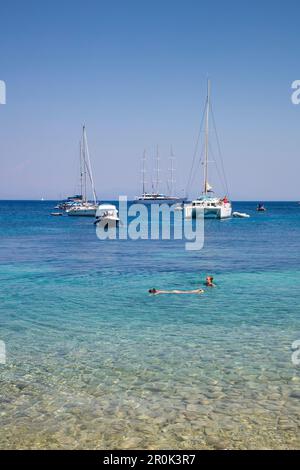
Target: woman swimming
175 291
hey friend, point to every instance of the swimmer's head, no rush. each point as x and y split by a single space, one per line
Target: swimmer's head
209 280
152 291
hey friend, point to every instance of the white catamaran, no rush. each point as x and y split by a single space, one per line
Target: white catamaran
208 205
84 207
156 197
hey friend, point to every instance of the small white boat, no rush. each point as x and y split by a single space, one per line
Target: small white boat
240 214
261 208
107 214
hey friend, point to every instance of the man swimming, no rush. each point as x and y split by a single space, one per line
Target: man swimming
175 291
209 281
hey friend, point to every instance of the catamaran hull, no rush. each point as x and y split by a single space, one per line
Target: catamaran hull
223 212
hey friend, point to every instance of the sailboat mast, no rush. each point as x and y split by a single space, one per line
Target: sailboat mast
157 170
206 138
81 168
172 169
88 165
83 153
144 172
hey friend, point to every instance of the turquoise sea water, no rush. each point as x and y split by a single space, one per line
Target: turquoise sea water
93 361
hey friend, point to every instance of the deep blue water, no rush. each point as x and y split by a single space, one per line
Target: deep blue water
94 361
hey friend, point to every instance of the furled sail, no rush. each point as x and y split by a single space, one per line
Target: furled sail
208 188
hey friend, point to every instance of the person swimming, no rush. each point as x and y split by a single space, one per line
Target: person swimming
209 281
175 291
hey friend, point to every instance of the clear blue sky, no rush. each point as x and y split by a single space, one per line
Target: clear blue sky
135 73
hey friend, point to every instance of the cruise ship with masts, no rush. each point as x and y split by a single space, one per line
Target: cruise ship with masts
156 197
208 205
84 207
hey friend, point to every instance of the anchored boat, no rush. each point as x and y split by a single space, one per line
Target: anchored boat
207 204
156 197
82 206
107 214
261 207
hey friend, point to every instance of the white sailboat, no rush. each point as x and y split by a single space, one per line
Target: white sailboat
84 207
156 197
208 205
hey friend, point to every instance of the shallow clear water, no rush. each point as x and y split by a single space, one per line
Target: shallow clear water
93 361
